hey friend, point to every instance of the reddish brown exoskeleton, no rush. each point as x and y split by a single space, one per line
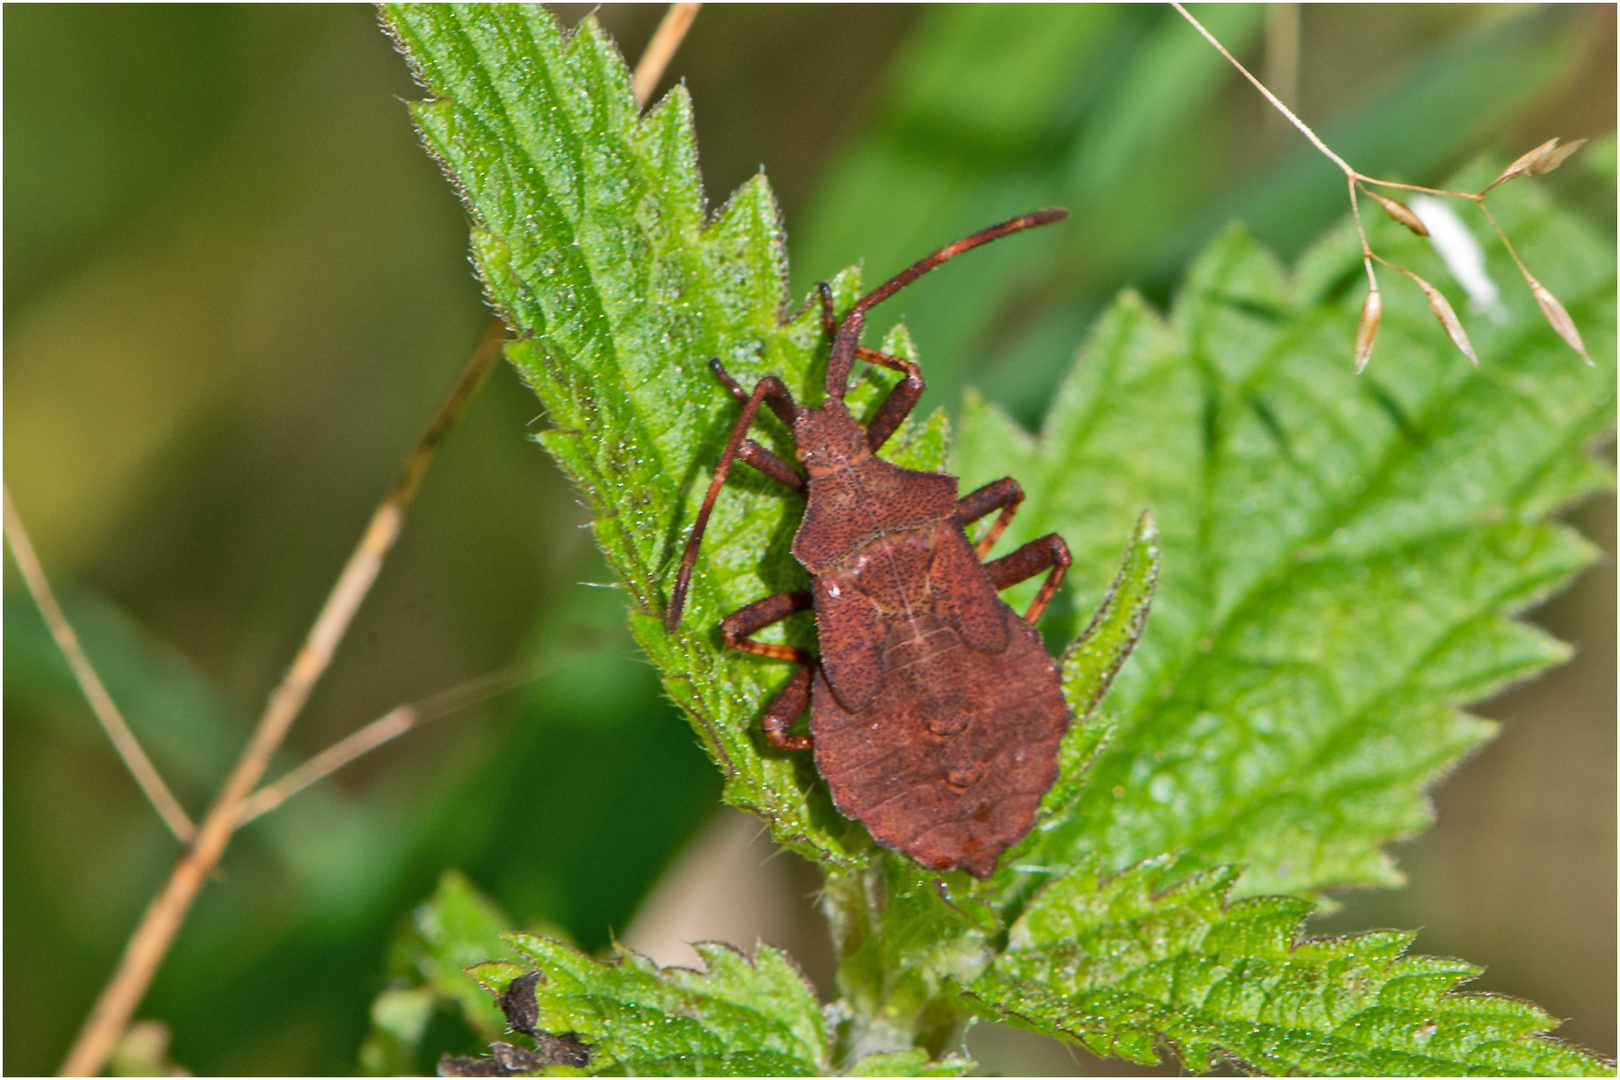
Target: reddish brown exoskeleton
935 710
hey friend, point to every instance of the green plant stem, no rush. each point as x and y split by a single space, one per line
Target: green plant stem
893 990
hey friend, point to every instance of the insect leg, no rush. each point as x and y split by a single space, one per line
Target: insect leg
778 398
770 389
763 461
1003 495
901 400
785 709
736 627
751 452
790 703
829 317
1048 553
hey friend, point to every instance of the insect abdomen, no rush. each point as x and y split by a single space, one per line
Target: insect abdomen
951 760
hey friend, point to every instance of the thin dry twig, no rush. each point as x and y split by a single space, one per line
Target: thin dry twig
101 703
1543 159
1282 55
152 938
390 725
661 50
1276 103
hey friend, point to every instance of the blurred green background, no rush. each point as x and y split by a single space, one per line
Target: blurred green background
235 289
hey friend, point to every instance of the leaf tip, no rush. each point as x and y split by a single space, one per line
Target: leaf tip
1147 528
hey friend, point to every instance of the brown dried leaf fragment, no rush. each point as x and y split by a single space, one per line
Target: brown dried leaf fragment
1538 162
506 1059
1559 318
565 1049
515 1060
519 1002
1372 311
1400 212
1549 161
1521 164
1448 318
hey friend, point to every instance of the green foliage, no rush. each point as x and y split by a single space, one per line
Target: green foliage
593 243
1126 964
1342 559
909 1063
740 1017
455 929
178 714
1342 555
1117 112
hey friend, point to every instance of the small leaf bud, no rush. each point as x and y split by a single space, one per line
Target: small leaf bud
1549 161
1372 311
1521 165
1401 213
1559 318
1448 318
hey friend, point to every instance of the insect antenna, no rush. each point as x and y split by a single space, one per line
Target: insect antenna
849 331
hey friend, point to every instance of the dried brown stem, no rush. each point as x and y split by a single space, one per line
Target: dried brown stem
1502 236
385 728
393 723
1304 128
152 938
1282 53
1361 229
1276 103
1471 195
1349 171
101 703
661 49
1543 159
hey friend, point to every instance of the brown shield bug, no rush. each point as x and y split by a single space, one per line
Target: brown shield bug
935 710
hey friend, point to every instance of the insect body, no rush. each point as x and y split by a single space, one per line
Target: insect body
935 710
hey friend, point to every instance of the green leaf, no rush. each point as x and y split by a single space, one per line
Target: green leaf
901 932
740 1017
456 928
1100 651
1126 965
1342 556
1089 667
910 1063
1123 114
593 242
